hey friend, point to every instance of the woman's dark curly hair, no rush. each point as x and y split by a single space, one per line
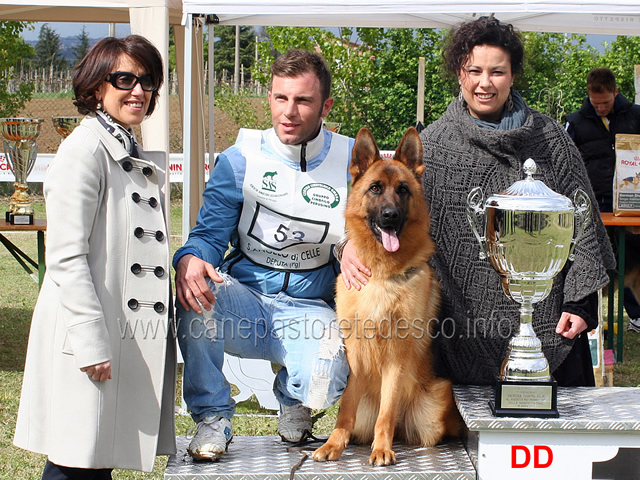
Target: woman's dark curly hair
483 31
103 57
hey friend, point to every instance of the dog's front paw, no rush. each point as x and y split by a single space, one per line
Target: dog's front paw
329 451
381 457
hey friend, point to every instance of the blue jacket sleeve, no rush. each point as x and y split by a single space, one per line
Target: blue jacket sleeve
218 217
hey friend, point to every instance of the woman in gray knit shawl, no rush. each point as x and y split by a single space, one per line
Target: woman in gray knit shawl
483 140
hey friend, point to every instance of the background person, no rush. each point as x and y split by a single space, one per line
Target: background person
96 394
604 113
278 197
483 139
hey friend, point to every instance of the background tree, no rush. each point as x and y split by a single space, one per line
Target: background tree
13 50
81 49
225 50
375 75
555 71
621 56
390 101
48 53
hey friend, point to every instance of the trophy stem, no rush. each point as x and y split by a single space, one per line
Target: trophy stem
525 359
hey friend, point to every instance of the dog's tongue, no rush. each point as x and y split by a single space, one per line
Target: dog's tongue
390 240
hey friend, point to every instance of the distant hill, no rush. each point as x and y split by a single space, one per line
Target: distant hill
66 46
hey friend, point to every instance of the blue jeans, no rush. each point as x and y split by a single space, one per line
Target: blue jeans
300 334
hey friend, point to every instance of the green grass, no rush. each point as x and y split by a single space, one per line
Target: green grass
18 294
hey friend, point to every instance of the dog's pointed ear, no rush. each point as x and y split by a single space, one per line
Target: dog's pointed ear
365 152
409 152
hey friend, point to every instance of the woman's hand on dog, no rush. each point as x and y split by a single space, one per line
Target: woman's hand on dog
354 272
192 289
570 325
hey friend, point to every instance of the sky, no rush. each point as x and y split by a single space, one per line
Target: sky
100 30
69 29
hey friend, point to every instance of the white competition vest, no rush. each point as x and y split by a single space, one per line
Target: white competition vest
290 219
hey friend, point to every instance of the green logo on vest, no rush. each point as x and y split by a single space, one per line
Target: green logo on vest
269 181
321 195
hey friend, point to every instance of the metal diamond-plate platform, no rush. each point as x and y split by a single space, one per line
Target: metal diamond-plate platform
585 409
267 458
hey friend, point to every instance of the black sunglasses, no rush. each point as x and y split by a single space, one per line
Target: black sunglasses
128 81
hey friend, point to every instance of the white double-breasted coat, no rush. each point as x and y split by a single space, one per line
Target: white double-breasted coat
105 296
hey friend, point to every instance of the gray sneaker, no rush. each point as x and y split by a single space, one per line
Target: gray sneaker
211 440
294 422
634 325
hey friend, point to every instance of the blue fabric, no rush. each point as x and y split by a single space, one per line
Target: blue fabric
246 323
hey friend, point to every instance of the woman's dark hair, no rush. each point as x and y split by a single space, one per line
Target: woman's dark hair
483 31
103 57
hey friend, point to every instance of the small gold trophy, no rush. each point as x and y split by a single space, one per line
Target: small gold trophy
528 237
65 125
20 149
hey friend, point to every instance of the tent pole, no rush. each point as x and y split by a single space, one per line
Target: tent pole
211 97
186 128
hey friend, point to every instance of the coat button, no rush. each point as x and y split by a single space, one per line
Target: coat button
127 166
136 268
146 171
152 201
158 307
140 232
159 272
132 303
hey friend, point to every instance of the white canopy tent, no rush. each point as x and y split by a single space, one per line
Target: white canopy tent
616 17
149 18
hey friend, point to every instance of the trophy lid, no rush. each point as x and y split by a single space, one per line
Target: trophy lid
530 194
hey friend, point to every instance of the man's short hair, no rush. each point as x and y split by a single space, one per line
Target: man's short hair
601 80
298 62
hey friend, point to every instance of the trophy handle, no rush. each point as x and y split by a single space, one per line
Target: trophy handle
582 213
475 211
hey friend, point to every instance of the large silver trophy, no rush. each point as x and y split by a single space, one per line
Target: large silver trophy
65 125
530 232
20 149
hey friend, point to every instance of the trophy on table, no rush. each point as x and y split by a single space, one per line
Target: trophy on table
528 237
20 149
65 125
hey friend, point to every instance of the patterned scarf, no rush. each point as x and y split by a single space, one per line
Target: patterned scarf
125 136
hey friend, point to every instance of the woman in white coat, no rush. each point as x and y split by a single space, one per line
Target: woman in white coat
99 382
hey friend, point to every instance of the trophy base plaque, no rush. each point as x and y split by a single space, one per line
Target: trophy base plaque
20 219
525 399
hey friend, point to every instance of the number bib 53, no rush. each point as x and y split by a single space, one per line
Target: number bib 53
290 219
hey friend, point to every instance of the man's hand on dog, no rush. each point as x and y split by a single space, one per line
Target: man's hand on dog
354 272
191 283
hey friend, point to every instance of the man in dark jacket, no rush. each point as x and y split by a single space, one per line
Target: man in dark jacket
593 128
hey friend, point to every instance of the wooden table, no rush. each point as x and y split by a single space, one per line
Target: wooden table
39 226
619 225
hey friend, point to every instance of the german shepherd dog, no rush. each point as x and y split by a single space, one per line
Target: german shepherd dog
391 391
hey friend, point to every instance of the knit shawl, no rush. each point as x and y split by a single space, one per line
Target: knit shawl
476 318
